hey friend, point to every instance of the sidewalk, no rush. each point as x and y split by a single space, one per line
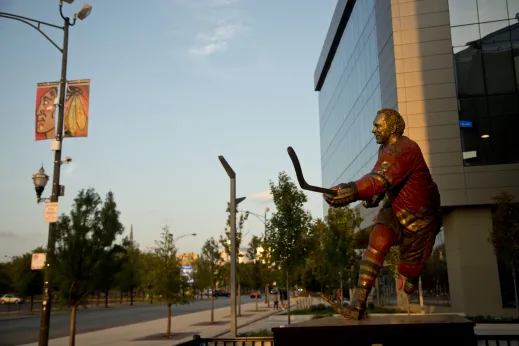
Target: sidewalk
183 328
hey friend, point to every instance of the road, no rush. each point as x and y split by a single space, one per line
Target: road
19 330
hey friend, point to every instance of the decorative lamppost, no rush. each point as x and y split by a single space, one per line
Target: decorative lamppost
40 180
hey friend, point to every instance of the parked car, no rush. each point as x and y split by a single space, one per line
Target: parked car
10 298
220 293
254 294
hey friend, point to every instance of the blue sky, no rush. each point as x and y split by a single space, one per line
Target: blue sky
174 84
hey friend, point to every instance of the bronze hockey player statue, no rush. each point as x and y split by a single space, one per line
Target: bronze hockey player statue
410 215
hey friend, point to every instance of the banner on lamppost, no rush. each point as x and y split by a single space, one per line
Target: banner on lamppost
76 108
45 114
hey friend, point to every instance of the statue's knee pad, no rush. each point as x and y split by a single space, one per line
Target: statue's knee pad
410 270
381 238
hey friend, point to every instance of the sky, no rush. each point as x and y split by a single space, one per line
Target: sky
174 84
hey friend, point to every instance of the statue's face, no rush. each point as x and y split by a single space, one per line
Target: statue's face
382 129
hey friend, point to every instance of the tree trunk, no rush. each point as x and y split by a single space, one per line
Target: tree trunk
288 299
514 276
239 300
267 300
168 329
106 298
72 338
212 307
257 300
32 302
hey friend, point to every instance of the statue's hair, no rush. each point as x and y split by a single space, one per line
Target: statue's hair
394 120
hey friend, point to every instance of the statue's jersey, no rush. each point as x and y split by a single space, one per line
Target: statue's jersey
402 174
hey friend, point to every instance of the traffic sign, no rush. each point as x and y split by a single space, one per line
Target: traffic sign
38 261
51 212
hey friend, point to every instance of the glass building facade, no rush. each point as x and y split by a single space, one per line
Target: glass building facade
452 68
351 96
485 40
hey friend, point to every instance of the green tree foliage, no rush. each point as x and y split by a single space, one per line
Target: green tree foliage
111 259
145 267
289 226
128 277
165 274
5 277
504 235
211 269
339 242
315 273
79 247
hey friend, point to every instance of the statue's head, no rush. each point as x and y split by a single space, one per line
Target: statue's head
388 126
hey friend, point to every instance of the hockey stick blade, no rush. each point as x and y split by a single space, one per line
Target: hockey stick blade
300 178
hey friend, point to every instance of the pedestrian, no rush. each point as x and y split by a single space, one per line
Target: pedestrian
276 302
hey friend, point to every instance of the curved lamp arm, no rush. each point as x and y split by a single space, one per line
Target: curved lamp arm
30 21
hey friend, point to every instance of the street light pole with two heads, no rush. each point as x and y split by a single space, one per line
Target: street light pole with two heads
233 204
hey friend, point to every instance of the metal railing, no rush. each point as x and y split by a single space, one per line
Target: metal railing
498 340
244 341
482 340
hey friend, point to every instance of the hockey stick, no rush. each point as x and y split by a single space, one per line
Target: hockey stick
302 182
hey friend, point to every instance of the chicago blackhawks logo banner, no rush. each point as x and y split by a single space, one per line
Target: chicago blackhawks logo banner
45 114
76 108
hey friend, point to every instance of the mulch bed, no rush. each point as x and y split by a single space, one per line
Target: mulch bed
242 315
162 336
216 323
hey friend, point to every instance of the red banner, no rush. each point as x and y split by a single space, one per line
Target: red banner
76 108
45 115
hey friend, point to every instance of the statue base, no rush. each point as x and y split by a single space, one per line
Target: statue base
388 330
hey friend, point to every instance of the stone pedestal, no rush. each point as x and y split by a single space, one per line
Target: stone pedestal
390 330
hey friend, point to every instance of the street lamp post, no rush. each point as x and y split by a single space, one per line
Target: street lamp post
234 202
263 219
40 181
184 235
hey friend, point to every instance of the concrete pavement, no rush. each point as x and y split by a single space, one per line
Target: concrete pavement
183 328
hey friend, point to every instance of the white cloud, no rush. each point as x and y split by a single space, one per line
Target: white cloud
264 196
217 41
218 24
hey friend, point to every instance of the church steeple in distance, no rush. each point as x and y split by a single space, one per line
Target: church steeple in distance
131 233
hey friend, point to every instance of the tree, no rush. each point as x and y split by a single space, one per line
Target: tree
339 242
255 266
145 270
210 267
5 277
27 282
317 269
166 274
289 226
79 248
128 277
110 262
504 235
226 244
